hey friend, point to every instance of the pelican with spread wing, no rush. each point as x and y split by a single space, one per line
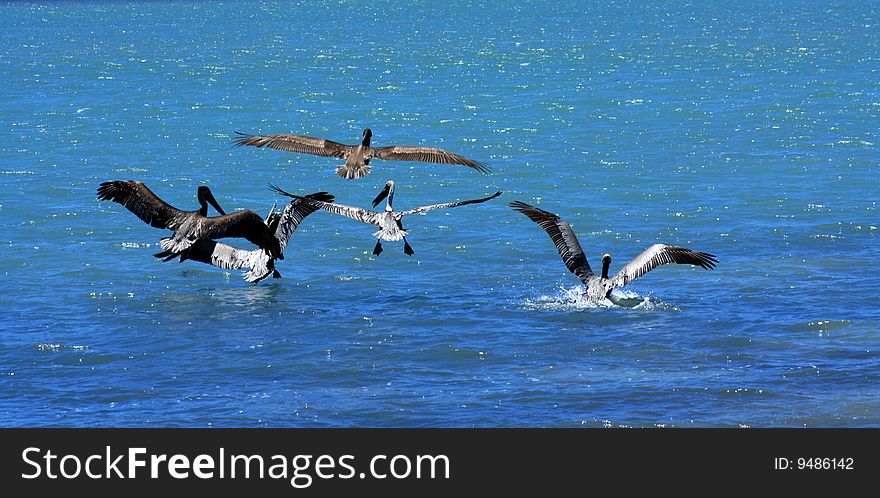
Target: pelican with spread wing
599 287
389 221
259 264
190 226
357 157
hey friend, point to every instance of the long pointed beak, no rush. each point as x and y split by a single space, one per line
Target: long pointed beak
382 195
210 198
271 212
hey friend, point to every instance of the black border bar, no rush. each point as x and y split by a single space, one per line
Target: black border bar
480 460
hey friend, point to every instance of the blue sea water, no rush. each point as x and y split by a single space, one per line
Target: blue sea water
743 129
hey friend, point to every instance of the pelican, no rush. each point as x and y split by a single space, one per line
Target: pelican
357 157
259 264
190 226
389 222
600 287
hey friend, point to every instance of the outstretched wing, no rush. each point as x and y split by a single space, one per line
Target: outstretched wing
425 209
245 224
563 237
295 143
294 212
360 214
137 198
661 254
426 154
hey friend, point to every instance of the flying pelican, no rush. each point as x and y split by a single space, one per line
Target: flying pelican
389 222
190 226
260 265
357 157
600 287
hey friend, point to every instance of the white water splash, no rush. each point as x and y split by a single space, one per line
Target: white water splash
568 299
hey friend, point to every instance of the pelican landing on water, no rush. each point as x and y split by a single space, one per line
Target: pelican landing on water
259 264
389 221
600 287
357 157
190 226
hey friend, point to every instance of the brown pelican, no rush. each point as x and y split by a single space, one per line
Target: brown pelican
600 287
190 226
357 157
389 222
260 264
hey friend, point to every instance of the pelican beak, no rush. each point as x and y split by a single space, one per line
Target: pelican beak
210 198
383 194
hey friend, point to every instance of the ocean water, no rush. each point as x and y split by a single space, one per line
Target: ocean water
746 130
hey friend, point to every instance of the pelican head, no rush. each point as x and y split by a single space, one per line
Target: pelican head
205 197
367 134
606 262
388 192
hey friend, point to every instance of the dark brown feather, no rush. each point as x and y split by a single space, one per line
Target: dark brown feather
137 198
296 143
426 154
245 224
563 238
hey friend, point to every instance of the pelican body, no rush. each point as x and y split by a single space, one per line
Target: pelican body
390 225
190 226
259 264
599 287
357 157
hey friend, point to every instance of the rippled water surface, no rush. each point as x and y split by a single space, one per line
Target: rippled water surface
747 131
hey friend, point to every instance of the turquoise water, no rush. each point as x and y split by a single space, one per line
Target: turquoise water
747 131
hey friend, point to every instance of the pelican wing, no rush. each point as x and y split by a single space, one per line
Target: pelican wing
661 254
294 212
245 224
296 143
224 256
137 198
425 209
426 154
356 213
563 237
